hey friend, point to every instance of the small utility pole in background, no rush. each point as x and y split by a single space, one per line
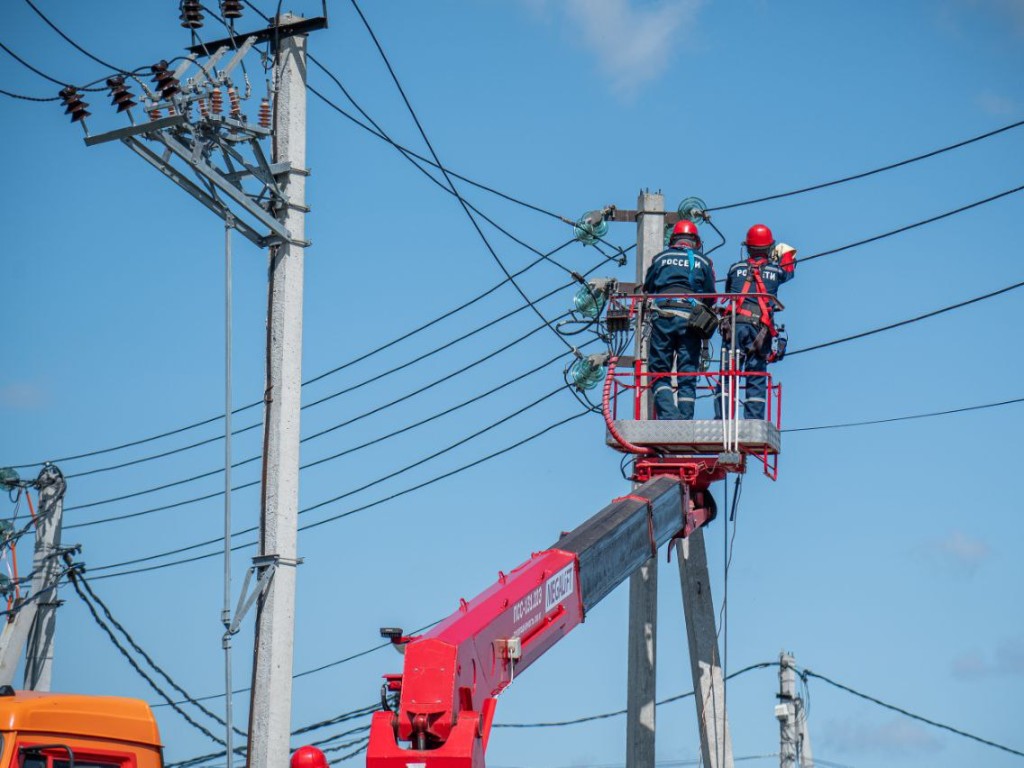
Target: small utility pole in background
46 575
270 707
794 738
643 584
33 623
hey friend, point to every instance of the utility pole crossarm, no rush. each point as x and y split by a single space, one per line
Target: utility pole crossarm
218 158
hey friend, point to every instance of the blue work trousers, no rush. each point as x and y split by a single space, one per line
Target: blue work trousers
670 340
754 362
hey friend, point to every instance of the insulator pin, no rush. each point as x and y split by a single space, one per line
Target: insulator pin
236 103
231 9
191 14
120 96
165 80
73 104
591 227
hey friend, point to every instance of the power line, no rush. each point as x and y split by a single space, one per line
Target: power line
318 377
381 134
351 420
28 66
807 258
322 667
135 665
916 224
616 713
909 321
819 346
189 699
866 333
350 492
907 418
412 157
865 174
77 47
362 508
448 178
366 381
441 317
410 154
911 715
28 98
347 451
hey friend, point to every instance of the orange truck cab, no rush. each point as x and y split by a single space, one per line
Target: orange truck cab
59 730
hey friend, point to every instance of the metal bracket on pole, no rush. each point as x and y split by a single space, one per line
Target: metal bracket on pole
265 566
217 159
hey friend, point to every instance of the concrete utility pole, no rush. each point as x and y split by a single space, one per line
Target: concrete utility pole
35 620
643 584
794 738
705 661
46 568
270 707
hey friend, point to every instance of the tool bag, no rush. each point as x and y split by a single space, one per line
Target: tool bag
703 322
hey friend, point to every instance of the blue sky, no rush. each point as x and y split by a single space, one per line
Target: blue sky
885 557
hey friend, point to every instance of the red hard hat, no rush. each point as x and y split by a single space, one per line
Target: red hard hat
308 757
759 236
684 227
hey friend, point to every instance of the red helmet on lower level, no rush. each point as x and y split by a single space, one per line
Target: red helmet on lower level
308 757
684 228
759 237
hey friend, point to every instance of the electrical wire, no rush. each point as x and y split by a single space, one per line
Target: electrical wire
405 150
359 358
412 157
908 227
872 172
347 422
911 715
39 72
902 229
863 334
616 713
75 45
349 755
909 321
399 368
906 418
135 665
347 513
346 494
80 577
28 98
321 668
448 178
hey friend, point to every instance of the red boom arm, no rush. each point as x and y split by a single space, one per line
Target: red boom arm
454 672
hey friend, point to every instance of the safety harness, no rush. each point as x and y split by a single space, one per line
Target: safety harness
764 315
770 341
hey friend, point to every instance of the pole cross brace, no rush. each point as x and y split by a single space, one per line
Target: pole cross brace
217 159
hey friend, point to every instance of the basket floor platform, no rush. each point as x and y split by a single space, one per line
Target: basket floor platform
698 437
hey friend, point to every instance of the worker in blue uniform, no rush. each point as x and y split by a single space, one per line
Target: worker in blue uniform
767 266
675 342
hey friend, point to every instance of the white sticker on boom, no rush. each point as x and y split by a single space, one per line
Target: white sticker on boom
559 587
